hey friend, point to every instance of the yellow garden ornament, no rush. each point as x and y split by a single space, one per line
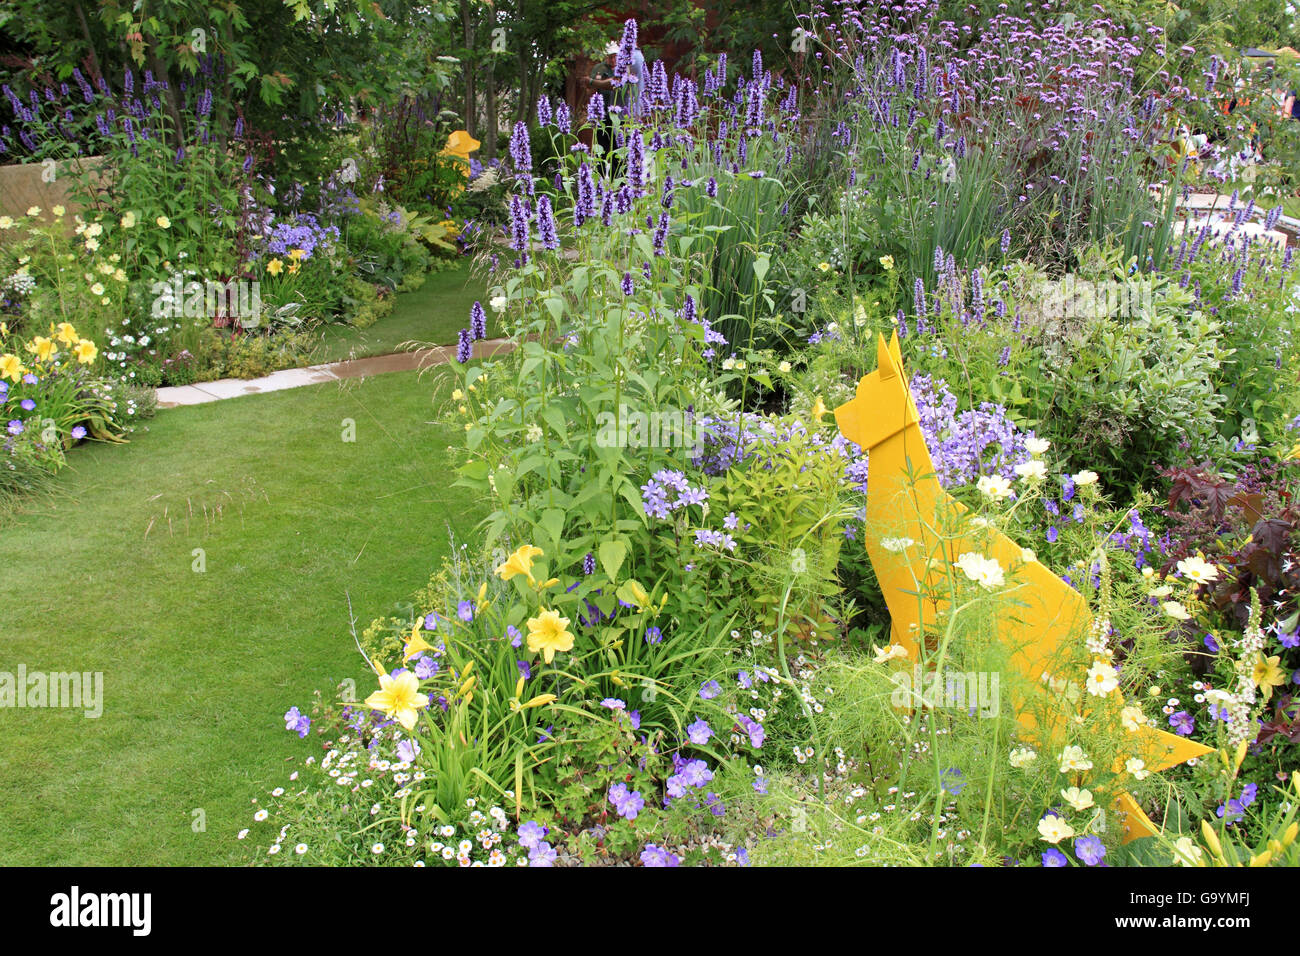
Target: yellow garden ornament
460 144
905 497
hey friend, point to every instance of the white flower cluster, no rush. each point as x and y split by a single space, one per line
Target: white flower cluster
20 282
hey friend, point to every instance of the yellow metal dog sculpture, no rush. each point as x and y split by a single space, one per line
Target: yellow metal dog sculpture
904 499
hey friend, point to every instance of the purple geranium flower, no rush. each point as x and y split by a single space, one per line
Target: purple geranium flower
627 803
1089 849
296 721
699 732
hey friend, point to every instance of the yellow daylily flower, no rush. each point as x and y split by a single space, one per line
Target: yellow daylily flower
416 644
296 254
549 633
275 267
819 408
1267 674
399 697
10 367
639 597
42 348
521 562
67 334
86 351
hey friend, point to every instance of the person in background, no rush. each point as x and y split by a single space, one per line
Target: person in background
628 93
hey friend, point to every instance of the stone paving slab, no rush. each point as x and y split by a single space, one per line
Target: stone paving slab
204 392
1221 224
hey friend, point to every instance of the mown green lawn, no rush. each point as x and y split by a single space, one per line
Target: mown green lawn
432 314
199 666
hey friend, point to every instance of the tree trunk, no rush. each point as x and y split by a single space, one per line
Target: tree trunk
471 99
90 43
489 137
170 99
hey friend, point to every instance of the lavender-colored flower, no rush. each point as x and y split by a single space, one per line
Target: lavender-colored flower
464 347
636 162
465 611
699 732
709 690
296 721
596 108
626 803
546 230
521 153
1182 723
661 235
477 322
1055 857
531 834
624 68
657 856
653 635
628 287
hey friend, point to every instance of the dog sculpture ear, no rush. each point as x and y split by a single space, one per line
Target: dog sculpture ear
884 360
896 353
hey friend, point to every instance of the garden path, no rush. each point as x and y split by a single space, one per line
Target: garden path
204 392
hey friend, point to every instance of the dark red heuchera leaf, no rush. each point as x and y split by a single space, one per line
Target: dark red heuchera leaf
1199 487
1285 722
